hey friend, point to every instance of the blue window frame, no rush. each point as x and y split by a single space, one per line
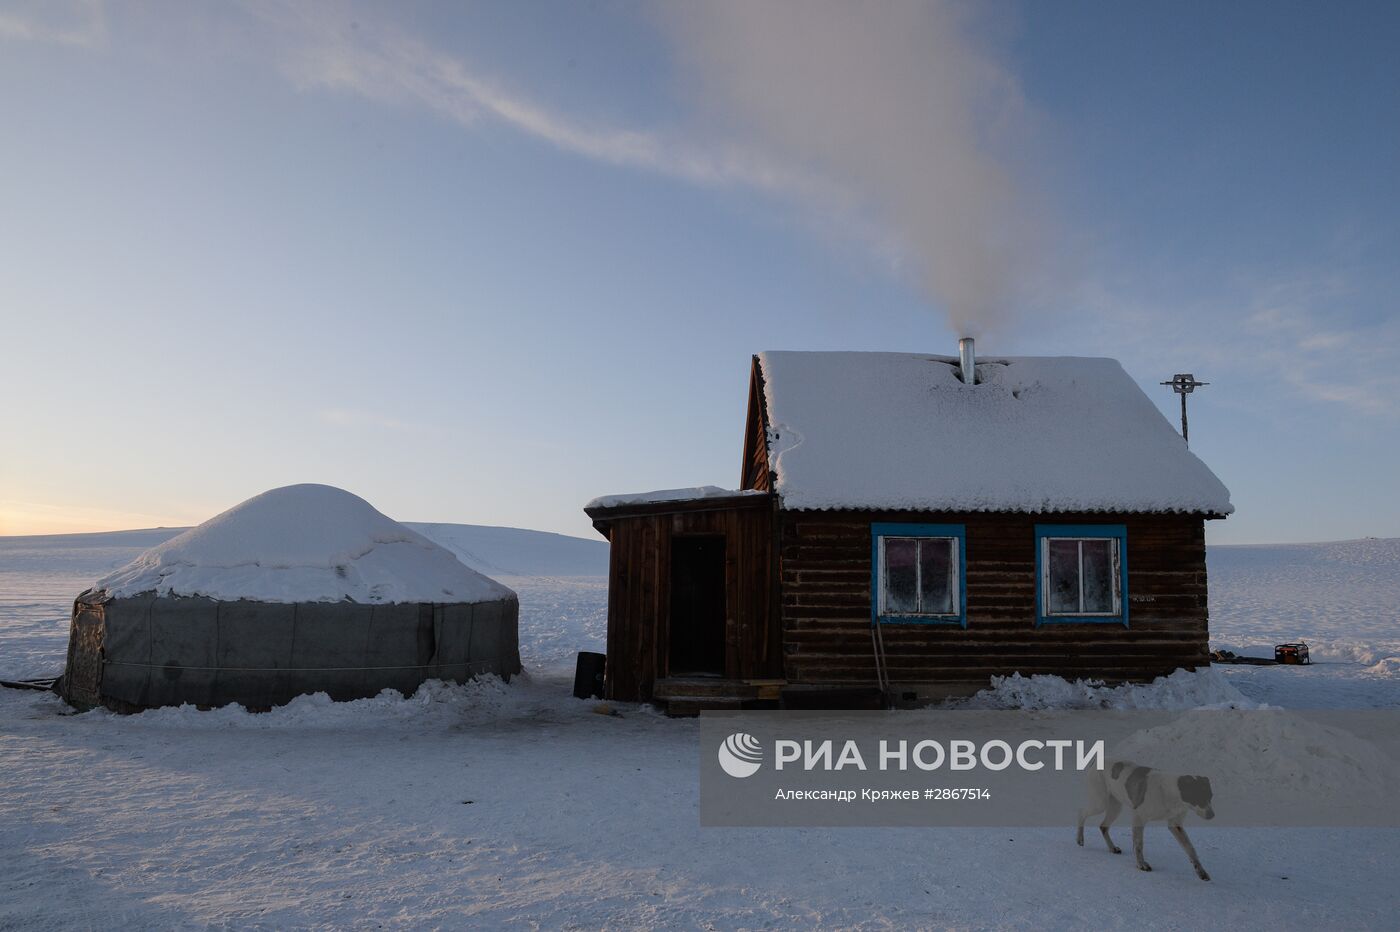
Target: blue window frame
918 574
1081 573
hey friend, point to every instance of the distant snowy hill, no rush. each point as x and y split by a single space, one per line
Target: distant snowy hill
495 551
86 555
512 551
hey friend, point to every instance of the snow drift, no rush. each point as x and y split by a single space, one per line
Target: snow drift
1185 689
1276 755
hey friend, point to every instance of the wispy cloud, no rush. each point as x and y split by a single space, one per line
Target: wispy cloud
62 22
1299 334
323 46
877 129
1310 345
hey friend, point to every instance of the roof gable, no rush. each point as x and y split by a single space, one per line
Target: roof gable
1036 434
754 473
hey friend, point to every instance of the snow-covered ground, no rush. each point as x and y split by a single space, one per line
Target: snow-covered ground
1342 598
491 805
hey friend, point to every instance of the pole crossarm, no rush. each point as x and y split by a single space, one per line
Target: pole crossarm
1184 383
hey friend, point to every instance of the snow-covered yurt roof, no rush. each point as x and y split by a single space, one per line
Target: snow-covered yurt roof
1035 434
303 543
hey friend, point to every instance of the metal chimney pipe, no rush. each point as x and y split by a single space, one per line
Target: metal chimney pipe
967 356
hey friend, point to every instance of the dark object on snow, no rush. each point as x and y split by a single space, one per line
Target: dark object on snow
1229 656
41 684
588 675
1289 654
146 650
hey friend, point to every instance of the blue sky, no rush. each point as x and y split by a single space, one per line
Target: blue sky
483 262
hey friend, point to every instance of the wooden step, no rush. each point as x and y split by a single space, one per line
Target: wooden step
688 706
714 686
832 697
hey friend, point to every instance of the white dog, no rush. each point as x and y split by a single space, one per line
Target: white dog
1150 795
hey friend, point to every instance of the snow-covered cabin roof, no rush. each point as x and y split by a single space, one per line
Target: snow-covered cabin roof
1035 434
304 543
667 496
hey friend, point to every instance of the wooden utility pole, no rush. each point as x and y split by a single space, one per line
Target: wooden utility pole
1184 383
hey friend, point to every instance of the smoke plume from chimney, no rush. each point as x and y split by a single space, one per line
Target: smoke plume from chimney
900 108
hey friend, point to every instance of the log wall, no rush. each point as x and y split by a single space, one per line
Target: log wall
826 582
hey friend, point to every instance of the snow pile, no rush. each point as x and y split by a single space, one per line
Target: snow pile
434 703
1257 756
1386 666
1184 689
486 700
1320 650
661 496
1036 434
303 543
1264 755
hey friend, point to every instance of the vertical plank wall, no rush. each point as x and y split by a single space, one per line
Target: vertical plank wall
639 595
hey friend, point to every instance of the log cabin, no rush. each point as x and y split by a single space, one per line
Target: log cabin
907 527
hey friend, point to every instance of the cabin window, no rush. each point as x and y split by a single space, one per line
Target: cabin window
917 573
1082 573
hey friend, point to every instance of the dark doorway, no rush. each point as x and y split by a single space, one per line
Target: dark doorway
697 606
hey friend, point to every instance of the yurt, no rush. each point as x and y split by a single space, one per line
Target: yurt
298 590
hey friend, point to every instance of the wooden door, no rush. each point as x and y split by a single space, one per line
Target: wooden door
697 606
